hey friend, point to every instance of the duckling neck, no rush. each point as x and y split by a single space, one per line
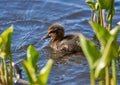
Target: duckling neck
57 39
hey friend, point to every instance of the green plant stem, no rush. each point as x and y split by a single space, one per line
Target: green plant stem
92 77
107 75
110 25
114 72
101 17
11 71
101 82
5 72
104 22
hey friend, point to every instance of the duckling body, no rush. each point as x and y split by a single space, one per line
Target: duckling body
66 44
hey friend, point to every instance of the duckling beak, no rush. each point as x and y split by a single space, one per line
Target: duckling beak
45 37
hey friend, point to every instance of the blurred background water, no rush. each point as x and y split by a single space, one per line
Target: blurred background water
31 19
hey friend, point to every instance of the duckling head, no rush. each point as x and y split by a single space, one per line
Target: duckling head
55 32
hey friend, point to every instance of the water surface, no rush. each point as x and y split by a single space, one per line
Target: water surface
31 19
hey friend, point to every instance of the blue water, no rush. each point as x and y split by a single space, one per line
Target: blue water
31 19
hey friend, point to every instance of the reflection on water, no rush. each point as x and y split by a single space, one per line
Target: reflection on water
31 20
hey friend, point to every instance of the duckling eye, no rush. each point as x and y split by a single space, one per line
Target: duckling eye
51 32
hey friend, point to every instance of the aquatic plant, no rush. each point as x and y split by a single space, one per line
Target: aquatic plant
5 53
30 65
31 68
98 8
102 61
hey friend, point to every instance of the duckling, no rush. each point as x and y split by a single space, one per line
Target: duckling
66 44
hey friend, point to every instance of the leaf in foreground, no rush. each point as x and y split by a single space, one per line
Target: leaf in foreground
90 50
5 41
106 57
32 57
44 73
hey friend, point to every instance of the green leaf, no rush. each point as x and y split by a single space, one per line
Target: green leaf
32 57
111 11
102 34
44 73
105 4
114 32
109 5
30 65
110 14
1 40
90 50
30 71
111 51
115 47
91 4
5 42
106 57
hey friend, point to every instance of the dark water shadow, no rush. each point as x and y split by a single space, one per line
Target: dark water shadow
67 69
